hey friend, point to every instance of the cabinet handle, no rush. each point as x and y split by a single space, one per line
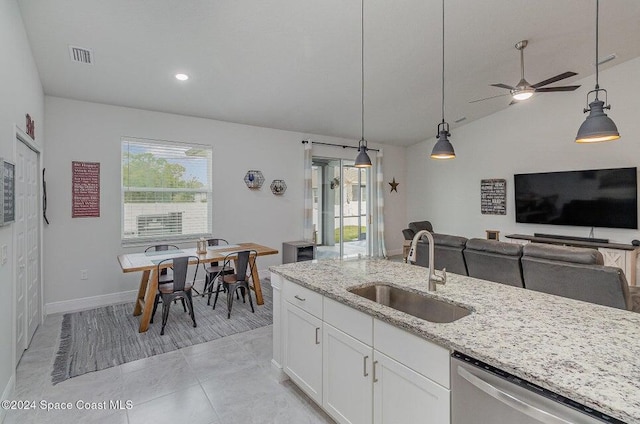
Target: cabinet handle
364 371
375 380
301 299
317 330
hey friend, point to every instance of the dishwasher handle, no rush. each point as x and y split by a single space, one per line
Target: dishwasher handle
510 400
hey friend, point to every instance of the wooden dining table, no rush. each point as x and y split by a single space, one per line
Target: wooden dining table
147 263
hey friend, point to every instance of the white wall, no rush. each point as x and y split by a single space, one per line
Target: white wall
91 132
20 93
534 136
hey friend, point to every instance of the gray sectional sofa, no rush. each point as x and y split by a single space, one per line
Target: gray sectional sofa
573 272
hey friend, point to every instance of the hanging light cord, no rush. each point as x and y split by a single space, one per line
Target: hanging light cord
597 20
442 61
362 64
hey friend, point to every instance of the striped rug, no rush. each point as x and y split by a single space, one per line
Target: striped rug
101 338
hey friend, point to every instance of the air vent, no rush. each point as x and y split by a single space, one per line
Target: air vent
81 55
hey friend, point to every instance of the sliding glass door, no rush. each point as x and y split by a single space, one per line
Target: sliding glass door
340 212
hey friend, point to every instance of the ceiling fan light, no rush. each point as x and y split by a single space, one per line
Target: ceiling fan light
597 127
443 148
522 94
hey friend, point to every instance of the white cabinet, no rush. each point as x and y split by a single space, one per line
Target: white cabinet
302 342
401 395
347 377
359 369
303 351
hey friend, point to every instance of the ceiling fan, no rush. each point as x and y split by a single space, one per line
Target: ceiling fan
523 90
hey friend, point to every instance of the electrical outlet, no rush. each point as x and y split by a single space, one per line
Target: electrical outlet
84 274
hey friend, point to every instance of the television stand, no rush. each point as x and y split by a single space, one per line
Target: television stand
572 238
623 256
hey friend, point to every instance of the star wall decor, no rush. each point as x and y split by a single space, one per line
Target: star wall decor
394 185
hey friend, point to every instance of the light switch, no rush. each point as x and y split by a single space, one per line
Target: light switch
4 254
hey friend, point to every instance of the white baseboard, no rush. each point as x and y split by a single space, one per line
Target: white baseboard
92 302
6 394
277 372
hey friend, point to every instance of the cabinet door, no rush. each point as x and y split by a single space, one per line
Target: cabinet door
303 350
347 377
401 395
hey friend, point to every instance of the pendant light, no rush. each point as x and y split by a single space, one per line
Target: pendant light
443 148
597 126
362 160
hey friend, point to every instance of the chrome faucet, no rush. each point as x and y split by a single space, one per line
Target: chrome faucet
433 278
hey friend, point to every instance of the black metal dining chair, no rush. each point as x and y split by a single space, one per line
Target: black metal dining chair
213 270
166 274
237 280
179 288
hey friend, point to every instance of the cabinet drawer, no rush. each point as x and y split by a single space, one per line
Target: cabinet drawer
305 299
420 355
351 321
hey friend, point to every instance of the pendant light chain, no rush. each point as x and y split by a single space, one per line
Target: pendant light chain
362 160
362 62
597 65
597 127
443 61
443 148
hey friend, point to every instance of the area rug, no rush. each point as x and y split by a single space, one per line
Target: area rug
101 338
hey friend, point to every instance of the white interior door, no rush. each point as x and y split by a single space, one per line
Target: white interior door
32 245
20 228
28 288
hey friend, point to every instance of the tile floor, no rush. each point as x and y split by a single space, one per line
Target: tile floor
229 380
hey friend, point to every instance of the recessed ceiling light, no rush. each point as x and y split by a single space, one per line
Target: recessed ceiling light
182 77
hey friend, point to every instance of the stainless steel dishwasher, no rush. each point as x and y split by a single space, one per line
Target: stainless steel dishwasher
482 394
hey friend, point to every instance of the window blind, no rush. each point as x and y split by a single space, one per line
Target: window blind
166 190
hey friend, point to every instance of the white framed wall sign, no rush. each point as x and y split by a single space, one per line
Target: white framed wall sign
7 193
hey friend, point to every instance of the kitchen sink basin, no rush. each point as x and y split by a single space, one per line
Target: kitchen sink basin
416 304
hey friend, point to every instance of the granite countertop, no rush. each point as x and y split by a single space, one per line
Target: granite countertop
586 352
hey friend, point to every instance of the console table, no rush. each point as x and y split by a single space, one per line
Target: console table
623 256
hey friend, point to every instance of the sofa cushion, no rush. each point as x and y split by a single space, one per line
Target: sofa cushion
493 246
447 240
420 225
599 284
447 253
576 255
495 261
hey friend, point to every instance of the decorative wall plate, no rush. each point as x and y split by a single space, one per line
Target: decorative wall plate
278 187
254 179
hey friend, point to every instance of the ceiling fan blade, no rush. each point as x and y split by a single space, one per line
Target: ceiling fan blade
552 89
554 79
487 98
508 87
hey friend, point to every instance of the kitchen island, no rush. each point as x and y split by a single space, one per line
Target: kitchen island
585 352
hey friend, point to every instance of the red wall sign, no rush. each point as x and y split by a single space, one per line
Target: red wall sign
85 201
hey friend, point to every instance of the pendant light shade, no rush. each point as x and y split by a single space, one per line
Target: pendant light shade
362 160
443 148
597 126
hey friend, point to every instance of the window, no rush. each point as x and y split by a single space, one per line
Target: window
166 190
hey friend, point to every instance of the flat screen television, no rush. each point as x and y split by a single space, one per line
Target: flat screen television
589 198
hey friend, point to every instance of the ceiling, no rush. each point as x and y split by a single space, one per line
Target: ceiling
295 65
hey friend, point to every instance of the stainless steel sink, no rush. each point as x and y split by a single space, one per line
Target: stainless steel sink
418 305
